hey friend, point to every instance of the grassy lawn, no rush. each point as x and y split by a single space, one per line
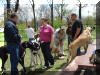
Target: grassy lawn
58 63
1 39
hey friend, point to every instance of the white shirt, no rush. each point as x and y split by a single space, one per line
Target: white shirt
30 32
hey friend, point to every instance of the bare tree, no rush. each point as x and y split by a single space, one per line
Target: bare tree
80 8
9 8
62 5
44 11
51 6
33 7
16 5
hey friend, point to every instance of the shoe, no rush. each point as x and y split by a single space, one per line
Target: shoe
61 57
44 67
51 66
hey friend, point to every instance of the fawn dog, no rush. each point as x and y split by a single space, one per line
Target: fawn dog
82 40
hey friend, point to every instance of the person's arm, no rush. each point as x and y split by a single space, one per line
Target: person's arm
77 33
52 37
12 33
78 23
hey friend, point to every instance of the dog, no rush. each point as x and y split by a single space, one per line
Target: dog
35 54
82 40
59 38
22 51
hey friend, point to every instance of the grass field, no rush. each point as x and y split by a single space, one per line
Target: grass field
58 63
1 39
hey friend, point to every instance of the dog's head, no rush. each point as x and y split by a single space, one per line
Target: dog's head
35 46
26 44
90 29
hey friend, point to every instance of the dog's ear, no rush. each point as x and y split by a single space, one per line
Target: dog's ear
60 27
25 44
93 28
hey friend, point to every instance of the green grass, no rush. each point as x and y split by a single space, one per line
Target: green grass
1 39
58 63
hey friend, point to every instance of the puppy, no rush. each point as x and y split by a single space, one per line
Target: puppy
56 51
82 40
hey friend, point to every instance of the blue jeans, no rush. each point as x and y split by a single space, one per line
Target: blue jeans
14 58
69 40
46 50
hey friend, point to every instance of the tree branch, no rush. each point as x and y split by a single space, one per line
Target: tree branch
16 5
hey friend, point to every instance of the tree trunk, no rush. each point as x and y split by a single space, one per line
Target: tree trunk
17 5
52 13
62 10
8 10
33 6
80 10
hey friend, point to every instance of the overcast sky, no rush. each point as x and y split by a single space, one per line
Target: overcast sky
72 5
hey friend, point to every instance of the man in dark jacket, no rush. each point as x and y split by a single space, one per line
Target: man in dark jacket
12 38
77 28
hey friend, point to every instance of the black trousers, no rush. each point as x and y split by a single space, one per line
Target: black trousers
46 50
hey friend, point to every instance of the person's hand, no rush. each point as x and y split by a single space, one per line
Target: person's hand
51 46
75 38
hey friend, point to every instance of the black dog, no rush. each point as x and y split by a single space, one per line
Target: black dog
22 51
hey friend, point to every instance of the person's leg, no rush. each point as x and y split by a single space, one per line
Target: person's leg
69 40
49 54
78 51
14 58
57 48
61 48
43 48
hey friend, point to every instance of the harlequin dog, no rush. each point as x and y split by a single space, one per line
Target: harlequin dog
22 51
82 40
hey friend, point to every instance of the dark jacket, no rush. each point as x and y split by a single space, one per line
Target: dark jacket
77 24
11 33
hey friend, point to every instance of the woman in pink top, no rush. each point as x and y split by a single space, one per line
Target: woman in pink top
46 38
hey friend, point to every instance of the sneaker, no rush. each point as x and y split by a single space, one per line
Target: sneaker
61 57
51 66
44 67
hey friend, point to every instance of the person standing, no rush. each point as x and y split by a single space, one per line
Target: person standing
46 42
77 28
69 32
30 33
13 39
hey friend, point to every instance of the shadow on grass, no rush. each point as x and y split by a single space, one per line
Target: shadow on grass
62 65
